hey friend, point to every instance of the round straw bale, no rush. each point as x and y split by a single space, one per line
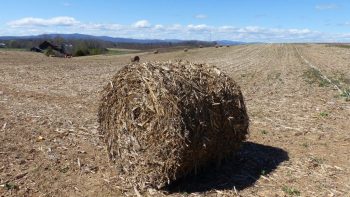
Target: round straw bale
162 121
186 49
156 52
135 59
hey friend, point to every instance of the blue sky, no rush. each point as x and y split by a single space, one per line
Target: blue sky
249 20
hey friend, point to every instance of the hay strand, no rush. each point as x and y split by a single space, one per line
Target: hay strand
161 121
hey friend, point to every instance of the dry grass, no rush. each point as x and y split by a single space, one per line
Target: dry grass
300 152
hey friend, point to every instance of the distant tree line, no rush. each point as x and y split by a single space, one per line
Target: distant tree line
78 47
82 47
151 46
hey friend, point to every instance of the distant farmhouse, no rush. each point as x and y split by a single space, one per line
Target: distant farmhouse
2 45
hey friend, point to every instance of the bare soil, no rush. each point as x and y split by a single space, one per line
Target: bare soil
299 132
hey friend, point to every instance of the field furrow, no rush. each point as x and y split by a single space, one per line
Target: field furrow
299 131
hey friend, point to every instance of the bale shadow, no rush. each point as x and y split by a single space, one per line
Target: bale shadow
239 171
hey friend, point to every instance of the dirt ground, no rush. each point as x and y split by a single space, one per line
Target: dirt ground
299 132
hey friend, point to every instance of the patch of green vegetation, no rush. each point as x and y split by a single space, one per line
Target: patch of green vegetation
346 94
49 52
313 75
11 186
275 76
81 52
340 79
64 169
324 114
343 82
343 78
291 191
84 51
115 51
264 132
305 144
317 161
263 172
244 75
346 46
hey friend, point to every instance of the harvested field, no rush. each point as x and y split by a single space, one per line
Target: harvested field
299 127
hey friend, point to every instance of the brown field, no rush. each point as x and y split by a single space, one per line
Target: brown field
299 143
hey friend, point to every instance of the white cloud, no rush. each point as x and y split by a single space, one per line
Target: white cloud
251 29
175 27
158 26
201 27
142 24
100 27
200 16
326 6
56 21
143 29
226 28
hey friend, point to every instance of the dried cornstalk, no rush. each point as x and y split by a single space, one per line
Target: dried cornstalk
161 121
